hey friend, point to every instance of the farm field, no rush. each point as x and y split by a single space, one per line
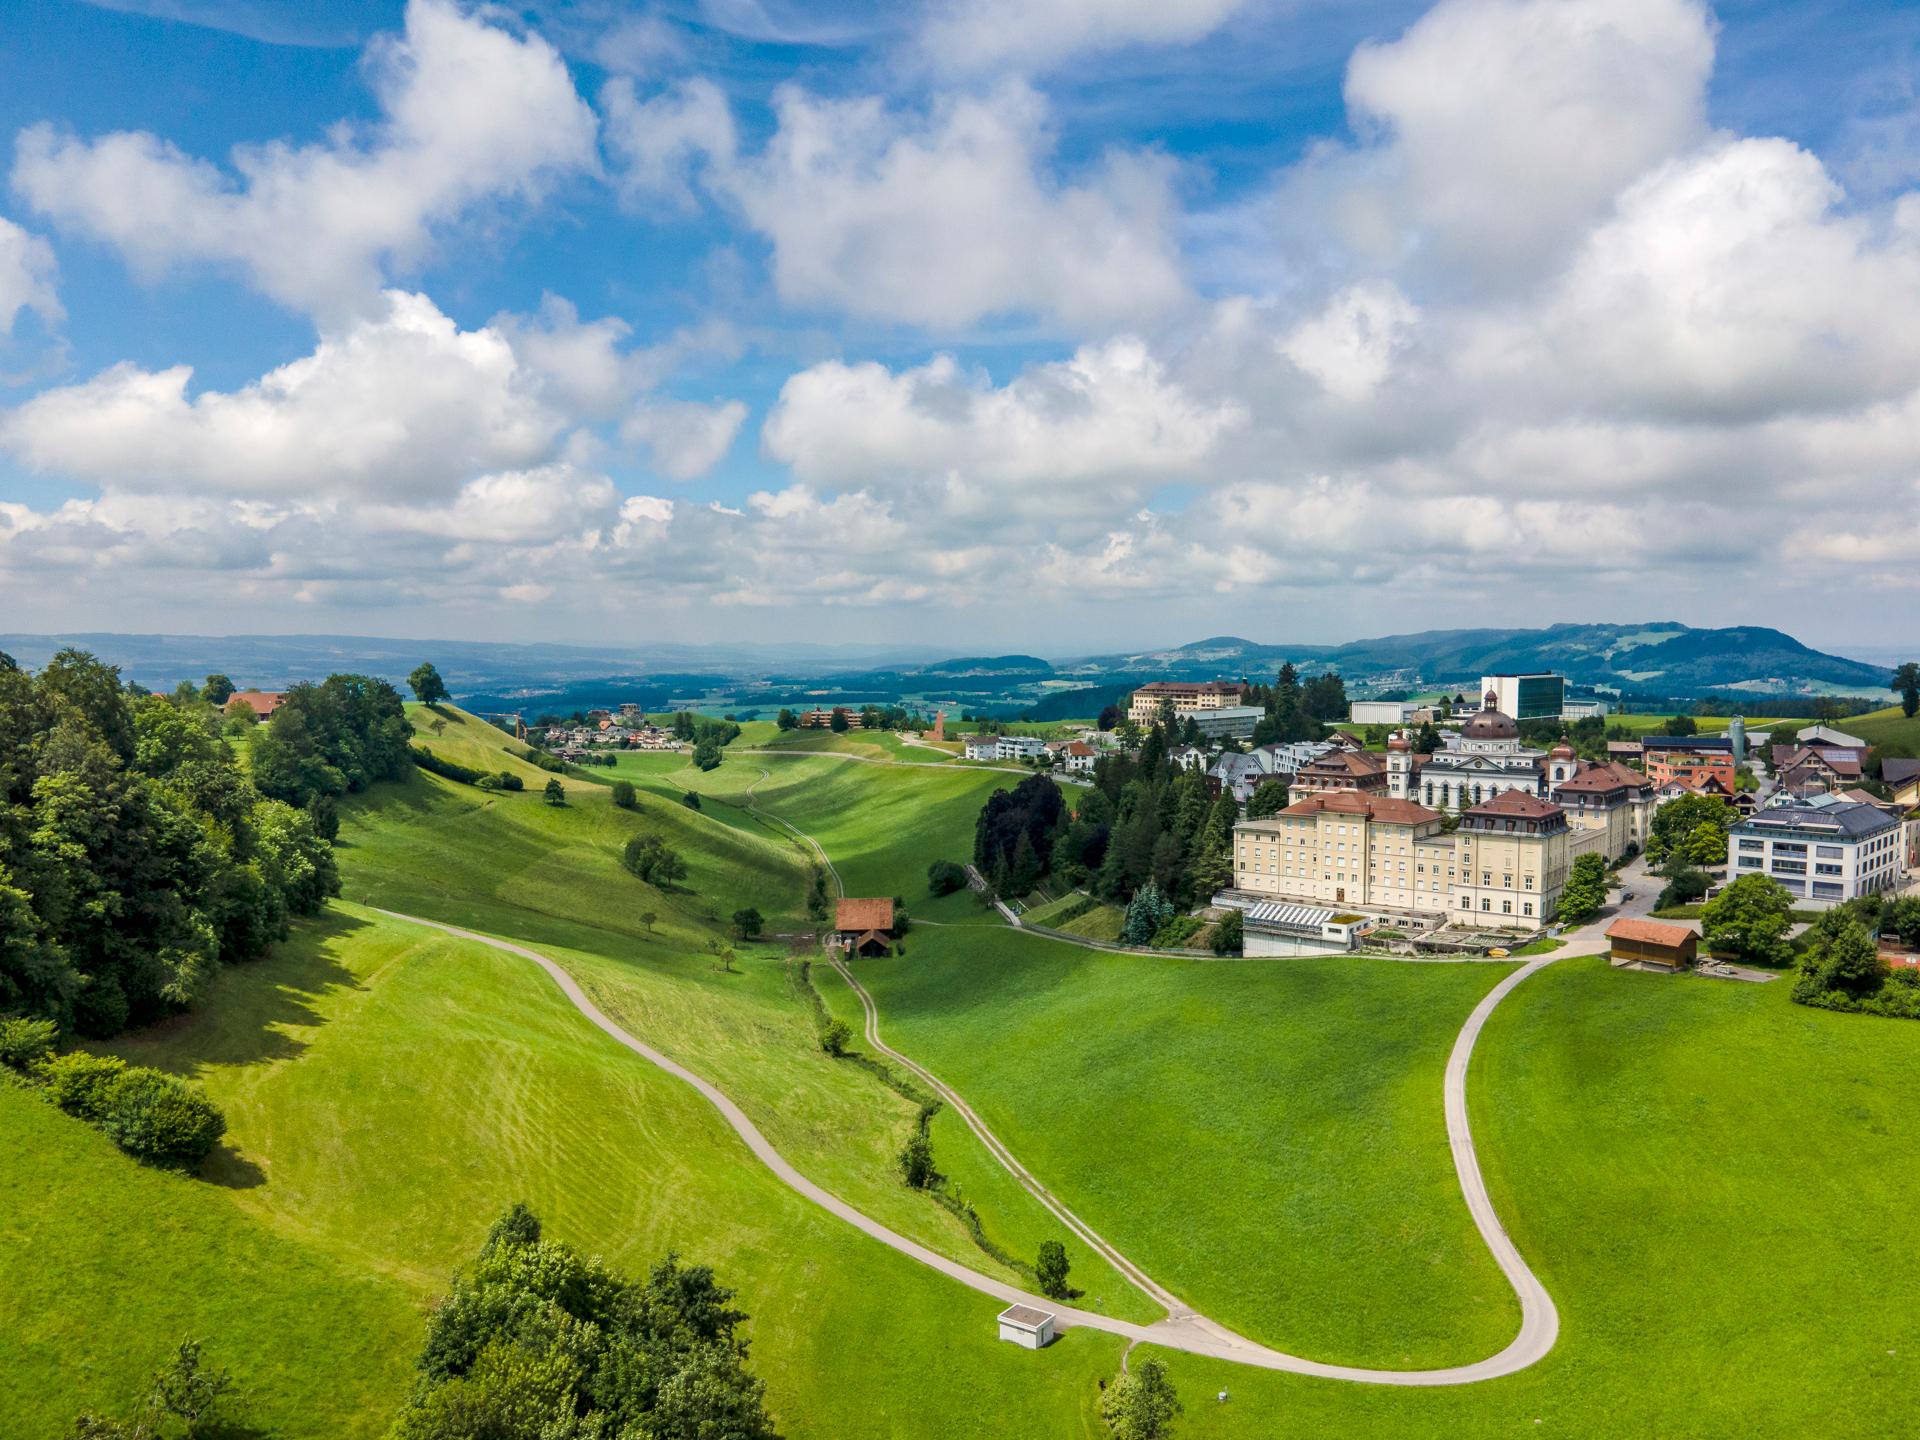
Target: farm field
1266 1140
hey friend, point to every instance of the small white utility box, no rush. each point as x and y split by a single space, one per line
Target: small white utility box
1024 1325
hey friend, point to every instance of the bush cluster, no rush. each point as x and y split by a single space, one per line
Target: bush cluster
155 1117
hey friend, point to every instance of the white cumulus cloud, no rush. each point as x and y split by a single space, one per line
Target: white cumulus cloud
470 112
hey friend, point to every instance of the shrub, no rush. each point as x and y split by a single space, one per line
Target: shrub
23 1043
440 765
836 1037
916 1162
946 876
162 1120
510 781
1684 887
1229 934
623 794
1051 1271
690 800
81 1084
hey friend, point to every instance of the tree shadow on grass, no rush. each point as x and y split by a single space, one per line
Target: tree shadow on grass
228 1168
247 1016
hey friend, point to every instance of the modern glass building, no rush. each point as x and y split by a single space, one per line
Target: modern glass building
1534 695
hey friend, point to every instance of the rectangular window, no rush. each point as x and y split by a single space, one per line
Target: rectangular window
1829 852
1506 907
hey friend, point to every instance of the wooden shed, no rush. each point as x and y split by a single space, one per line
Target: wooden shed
1649 942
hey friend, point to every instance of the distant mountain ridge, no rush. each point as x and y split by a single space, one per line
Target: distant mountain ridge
1663 656
1658 658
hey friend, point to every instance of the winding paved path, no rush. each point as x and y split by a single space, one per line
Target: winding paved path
1184 1330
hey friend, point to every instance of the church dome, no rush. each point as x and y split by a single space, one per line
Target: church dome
1490 725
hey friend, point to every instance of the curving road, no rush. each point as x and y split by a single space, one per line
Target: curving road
1182 1330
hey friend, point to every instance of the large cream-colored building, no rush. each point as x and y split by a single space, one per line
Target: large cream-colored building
1185 696
1340 848
1504 868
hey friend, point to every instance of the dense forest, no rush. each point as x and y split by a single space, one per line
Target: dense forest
1144 821
137 852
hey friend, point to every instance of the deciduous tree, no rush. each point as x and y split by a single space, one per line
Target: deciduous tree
428 687
1749 920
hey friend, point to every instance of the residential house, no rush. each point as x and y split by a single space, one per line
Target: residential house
1690 758
1902 777
980 747
864 927
1019 747
1079 757
261 702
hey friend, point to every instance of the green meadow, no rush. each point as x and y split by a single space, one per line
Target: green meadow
1714 1184
1265 1140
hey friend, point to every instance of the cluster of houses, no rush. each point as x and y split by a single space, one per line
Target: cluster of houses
625 729
1074 756
1481 834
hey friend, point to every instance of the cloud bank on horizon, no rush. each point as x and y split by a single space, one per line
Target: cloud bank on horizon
1075 323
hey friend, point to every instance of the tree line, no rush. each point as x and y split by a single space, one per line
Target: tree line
137 855
1144 823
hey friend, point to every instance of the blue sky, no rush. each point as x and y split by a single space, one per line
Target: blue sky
1042 325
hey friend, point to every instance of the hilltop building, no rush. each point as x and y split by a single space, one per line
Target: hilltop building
1186 697
1483 760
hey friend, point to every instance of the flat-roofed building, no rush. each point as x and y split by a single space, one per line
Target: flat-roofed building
1224 721
1526 695
1381 712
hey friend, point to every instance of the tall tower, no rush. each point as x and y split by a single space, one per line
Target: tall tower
1561 765
1737 733
1399 765
939 725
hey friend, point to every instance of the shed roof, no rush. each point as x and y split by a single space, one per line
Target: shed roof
864 915
1025 1316
1650 932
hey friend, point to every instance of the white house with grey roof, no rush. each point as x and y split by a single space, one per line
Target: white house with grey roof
1823 851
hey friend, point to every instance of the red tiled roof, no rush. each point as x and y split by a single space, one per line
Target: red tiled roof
1375 807
1351 762
864 915
262 702
1650 932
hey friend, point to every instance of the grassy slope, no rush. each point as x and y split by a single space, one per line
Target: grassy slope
1265 1139
389 1091
1716 1186
468 740
883 825
516 867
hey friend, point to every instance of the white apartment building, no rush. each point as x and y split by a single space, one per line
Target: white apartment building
1822 852
1019 747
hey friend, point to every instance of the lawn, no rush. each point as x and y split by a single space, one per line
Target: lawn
1266 1140
1713 1183
389 1090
